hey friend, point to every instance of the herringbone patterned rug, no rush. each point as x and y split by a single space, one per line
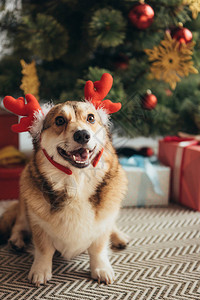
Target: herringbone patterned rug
162 261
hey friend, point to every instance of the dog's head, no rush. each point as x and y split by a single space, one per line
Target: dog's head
72 132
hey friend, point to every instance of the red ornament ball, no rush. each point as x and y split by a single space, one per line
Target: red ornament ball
182 34
146 151
121 65
149 152
121 62
149 101
141 16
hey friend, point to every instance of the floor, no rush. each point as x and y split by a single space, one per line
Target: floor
162 261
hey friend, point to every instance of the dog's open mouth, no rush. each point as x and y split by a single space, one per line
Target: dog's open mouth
79 158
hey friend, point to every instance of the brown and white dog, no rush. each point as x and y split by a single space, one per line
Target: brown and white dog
69 213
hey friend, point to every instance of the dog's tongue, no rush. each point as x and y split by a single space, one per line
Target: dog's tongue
81 155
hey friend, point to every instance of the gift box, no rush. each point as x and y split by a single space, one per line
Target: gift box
7 136
148 184
183 156
9 182
9 177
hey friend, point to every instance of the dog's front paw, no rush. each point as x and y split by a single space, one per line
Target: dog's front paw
39 275
103 274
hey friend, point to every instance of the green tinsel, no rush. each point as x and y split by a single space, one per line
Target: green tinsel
107 27
44 36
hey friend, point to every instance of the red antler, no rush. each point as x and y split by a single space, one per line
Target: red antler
97 91
19 107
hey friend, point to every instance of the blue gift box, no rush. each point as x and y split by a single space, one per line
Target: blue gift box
148 182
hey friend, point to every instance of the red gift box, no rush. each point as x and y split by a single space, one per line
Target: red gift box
9 182
9 178
184 159
7 136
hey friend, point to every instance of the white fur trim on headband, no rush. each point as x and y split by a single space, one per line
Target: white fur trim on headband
39 116
105 117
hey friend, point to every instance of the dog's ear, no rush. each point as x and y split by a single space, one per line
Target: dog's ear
36 128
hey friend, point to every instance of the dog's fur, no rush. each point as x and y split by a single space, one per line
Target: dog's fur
69 213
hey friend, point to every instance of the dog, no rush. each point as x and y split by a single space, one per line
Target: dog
67 204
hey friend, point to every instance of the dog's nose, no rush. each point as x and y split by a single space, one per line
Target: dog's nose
82 136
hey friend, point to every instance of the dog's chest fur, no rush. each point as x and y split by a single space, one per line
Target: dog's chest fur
74 227
70 230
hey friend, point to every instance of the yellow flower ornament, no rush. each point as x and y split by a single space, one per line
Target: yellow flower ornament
30 82
194 6
171 60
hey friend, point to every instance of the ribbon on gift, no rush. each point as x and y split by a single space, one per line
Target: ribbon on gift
146 164
178 167
177 175
177 139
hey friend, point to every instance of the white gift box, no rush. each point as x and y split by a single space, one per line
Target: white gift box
141 191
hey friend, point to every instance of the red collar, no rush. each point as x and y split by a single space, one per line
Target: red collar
67 170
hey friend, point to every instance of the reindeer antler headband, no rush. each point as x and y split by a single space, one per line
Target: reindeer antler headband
94 93
97 91
27 110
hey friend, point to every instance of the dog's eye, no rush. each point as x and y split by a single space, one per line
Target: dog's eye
59 121
91 118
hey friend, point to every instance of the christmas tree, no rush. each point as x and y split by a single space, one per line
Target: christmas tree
145 46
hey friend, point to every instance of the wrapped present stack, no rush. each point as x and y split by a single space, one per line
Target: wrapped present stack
183 156
148 180
11 160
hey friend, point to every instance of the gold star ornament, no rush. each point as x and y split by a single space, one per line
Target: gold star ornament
171 60
194 6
